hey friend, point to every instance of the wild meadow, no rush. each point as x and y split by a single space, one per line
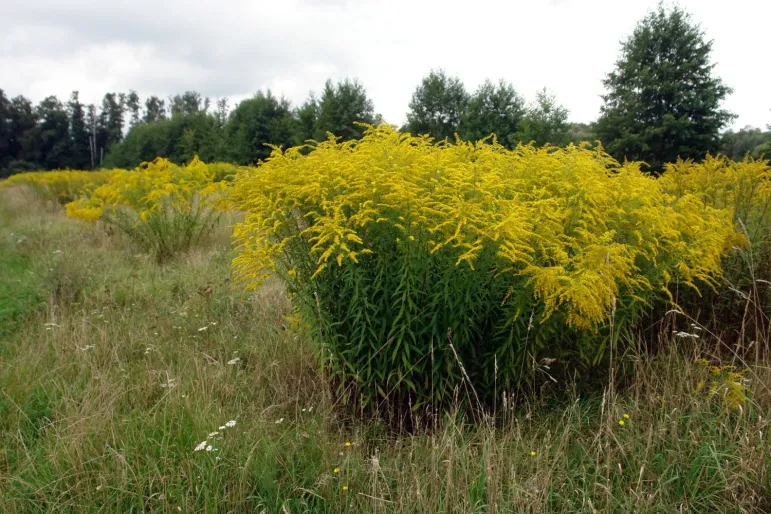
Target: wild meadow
387 326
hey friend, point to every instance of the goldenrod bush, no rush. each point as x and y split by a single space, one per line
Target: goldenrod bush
62 186
426 271
223 171
739 310
163 207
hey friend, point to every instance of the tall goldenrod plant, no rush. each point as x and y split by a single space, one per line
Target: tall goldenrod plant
420 267
163 207
740 309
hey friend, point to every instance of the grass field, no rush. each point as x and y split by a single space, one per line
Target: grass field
113 370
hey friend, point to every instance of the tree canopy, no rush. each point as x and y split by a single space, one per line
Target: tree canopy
437 106
663 100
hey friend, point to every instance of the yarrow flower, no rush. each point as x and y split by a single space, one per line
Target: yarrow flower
201 446
234 361
231 423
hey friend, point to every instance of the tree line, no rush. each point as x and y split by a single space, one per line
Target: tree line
662 102
124 131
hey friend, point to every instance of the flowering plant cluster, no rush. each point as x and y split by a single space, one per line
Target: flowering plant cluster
165 208
420 267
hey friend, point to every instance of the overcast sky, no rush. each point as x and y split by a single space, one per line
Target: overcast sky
235 47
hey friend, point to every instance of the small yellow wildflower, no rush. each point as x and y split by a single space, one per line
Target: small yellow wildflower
348 443
626 416
532 453
436 447
345 488
292 273
621 422
336 470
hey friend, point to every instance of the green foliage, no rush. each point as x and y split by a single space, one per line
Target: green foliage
111 120
438 104
79 142
663 101
545 122
747 142
580 133
340 107
178 139
256 123
493 109
155 109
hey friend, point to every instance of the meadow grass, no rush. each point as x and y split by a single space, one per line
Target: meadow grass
113 370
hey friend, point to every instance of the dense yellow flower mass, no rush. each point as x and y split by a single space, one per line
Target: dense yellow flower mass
163 207
153 189
744 188
582 229
63 186
422 266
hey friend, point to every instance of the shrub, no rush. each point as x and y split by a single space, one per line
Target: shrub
60 186
163 207
744 189
411 262
222 171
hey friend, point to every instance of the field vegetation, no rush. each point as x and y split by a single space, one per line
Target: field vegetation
469 314
133 385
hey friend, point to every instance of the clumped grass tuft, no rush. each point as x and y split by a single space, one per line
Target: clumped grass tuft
118 369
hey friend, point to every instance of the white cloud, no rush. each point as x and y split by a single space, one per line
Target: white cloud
235 47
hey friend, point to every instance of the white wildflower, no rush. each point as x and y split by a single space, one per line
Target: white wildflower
686 335
279 421
234 361
202 329
231 423
209 448
213 434
201 446
57 252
